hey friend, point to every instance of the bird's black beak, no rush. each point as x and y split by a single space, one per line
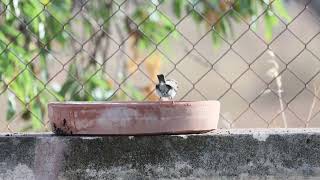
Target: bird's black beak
161 78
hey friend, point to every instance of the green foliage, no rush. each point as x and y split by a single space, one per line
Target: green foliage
30 29
178 6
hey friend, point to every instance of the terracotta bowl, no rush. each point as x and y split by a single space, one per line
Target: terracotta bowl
133 118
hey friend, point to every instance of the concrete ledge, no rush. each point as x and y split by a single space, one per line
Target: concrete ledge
222 154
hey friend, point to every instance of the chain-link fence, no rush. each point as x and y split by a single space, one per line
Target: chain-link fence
260 59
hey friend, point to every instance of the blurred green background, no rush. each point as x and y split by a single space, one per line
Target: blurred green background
30 30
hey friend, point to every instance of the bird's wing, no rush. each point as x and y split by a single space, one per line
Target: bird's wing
172 83
172 93
158 90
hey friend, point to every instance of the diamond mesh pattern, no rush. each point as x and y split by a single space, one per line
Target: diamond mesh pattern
259 82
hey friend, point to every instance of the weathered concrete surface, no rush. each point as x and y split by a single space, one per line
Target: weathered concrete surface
222 154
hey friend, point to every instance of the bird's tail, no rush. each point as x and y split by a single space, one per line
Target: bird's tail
161 78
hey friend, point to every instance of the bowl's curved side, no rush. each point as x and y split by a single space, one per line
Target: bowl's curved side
132 119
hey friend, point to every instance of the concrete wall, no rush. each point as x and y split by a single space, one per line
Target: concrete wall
222 154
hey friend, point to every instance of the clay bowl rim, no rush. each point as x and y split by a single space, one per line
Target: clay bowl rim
130 103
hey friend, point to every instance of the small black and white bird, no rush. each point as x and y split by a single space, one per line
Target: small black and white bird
166 89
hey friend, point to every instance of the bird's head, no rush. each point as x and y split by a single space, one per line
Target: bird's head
161 78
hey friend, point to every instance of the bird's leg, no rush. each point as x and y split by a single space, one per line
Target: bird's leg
172 101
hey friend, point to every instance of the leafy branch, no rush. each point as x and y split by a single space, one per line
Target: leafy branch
30 30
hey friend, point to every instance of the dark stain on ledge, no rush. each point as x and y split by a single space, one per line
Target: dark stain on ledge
308 141
57 131
63 130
